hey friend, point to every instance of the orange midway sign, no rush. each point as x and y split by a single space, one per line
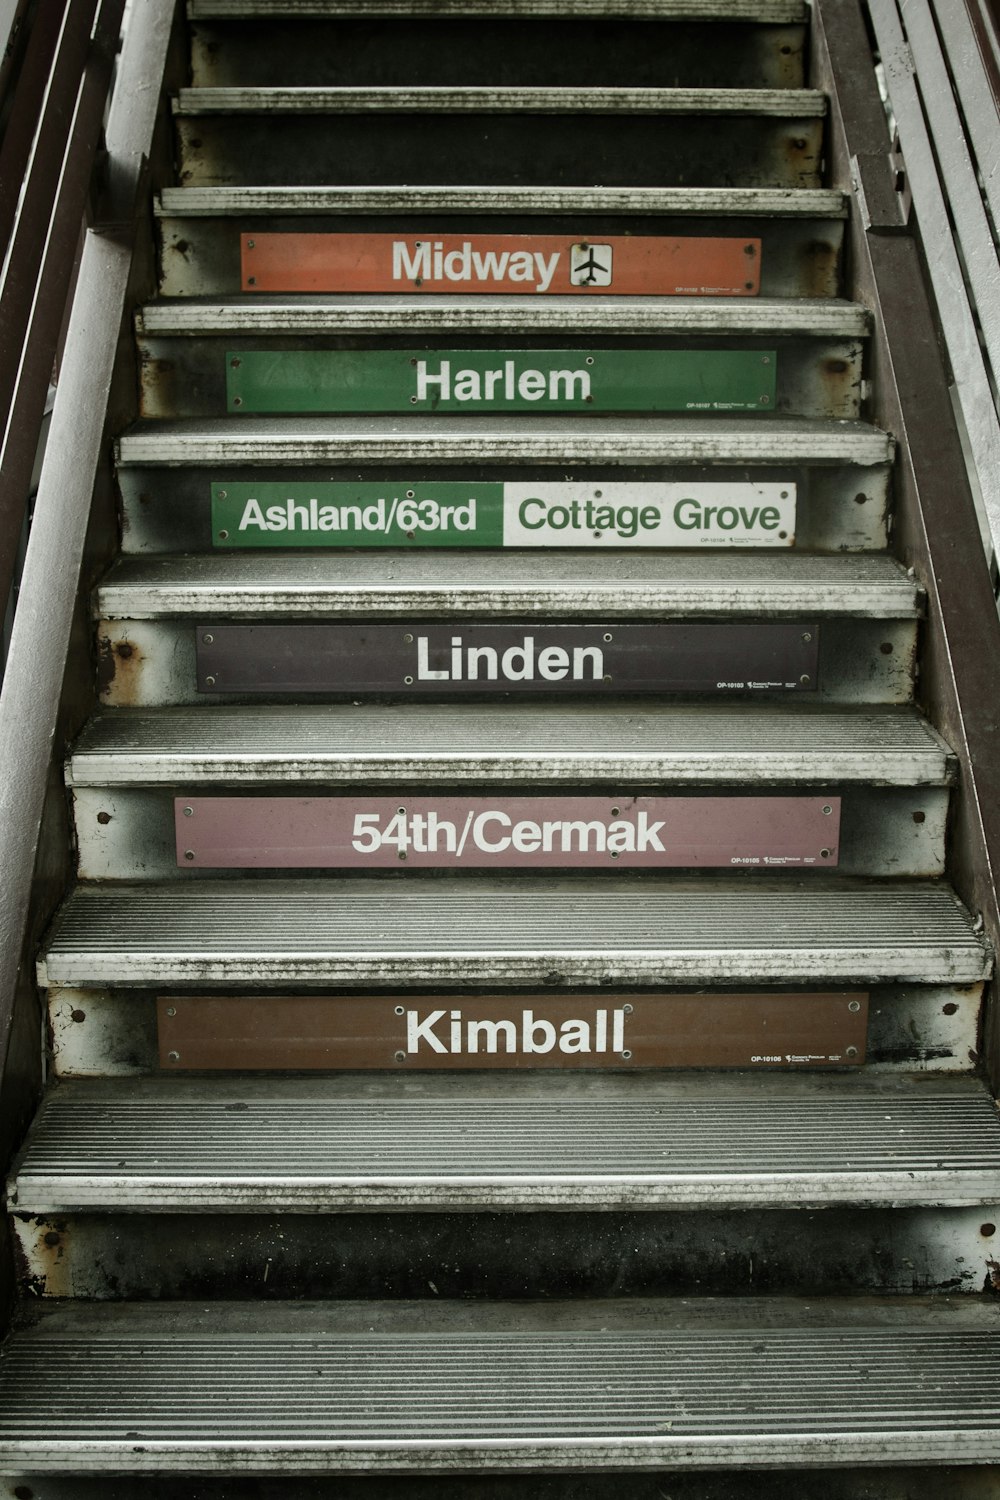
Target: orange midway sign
507 263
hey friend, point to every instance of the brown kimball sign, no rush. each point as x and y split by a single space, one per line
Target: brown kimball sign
502 263
505 1031
501 831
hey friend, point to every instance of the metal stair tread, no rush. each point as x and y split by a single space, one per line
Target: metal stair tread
595 930
629 585
327 1387
267 1145
789 103
447 743
619 441
402 198
763 11
406 315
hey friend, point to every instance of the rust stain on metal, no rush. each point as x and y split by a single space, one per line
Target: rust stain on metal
43 1258
119 665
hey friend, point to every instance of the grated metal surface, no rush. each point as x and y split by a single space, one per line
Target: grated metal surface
489 1142
468 743
397 200
389 930
633 585
786 103
403 316
240 1389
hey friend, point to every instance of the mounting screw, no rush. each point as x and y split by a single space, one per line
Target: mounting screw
400 1056
854 1006
171 1010
173 1057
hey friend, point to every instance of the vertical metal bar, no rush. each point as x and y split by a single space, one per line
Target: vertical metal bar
17 448
29 91
29 696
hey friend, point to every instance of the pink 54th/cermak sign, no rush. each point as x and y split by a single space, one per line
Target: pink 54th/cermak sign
503 831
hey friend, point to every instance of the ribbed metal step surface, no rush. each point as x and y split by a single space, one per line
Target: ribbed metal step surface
321 1388
630 585
550 440
258 1145
797 103
384 931
493 741
404 198
405 316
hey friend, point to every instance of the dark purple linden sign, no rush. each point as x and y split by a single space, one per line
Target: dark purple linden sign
432 659
502 831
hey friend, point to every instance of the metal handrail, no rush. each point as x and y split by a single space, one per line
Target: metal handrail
937 532
936 59
29 697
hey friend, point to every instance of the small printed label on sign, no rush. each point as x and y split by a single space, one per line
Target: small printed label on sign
764 833
430 659
448 514
478 380
811 1030
502 263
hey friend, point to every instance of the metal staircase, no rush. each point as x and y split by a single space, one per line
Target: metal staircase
515 1020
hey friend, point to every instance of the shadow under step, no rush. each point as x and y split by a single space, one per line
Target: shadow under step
309 1388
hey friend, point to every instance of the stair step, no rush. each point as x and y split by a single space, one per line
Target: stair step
660 137
501 1142
783 103
759 11
493 45
896 1483
564 585
115 1033
136 833
793 256
831 509
407 316
662 930
615 440
314 1388
398 200
494 742
369 354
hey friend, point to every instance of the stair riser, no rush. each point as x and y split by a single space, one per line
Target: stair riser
799 257
146 663
461 50
129 833
476 1255
168 510
96 1033
186 377
270 148
850 1484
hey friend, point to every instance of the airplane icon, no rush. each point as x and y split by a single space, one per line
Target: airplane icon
586 269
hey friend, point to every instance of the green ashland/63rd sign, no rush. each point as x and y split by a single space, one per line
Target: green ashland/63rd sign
479 380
